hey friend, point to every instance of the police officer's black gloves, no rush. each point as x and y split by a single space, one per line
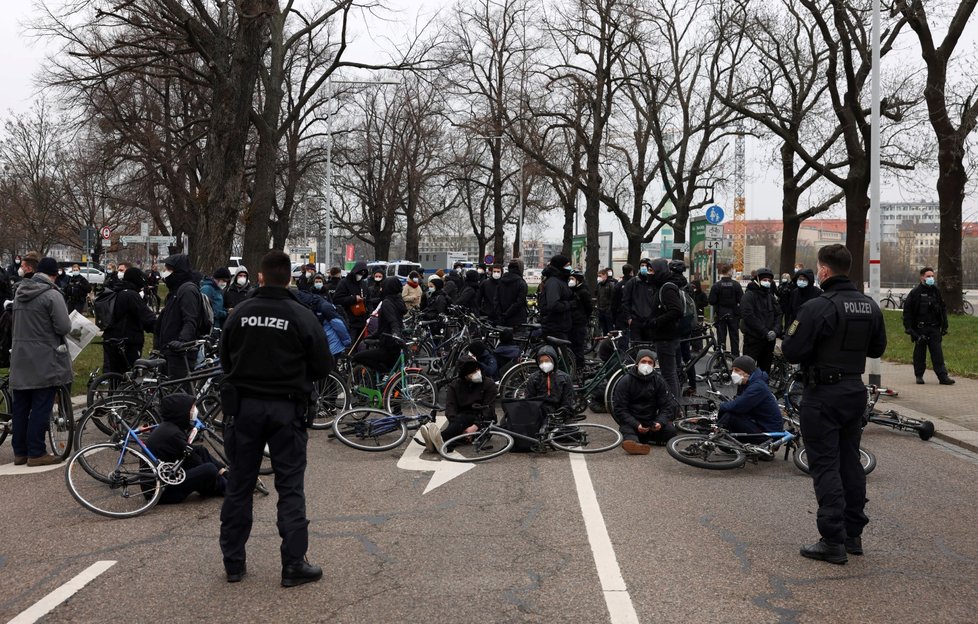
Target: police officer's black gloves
174 345
944 331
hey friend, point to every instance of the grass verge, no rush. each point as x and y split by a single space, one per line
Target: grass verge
960 344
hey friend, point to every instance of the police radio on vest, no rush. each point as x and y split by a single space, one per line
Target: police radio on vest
858 307
264 321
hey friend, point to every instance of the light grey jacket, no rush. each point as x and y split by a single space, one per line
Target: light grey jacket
38 357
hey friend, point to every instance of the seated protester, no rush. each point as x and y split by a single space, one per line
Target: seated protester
205 475
390 322
507 351
485 358
131 319
554 387
754 409
411 293
469 389
642 405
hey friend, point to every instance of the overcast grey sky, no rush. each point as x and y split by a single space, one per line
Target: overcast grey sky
23 58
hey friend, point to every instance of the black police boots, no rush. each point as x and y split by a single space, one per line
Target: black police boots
235 577
826 551
301 573
854 545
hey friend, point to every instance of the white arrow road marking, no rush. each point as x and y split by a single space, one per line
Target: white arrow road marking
10 469
444 471
616 597
47 604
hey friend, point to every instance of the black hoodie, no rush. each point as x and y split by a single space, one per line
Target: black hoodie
392 311
469 295
462 393
346 293
799 296
184 308
511 299
555 302
131 316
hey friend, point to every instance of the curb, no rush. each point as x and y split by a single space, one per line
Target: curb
943 430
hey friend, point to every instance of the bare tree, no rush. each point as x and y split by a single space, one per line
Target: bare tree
946 109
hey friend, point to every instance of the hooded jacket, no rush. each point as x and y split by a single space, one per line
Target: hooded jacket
486 298
184 310
38 355
214 294
583 305
391 315
642 400
131 316
462 394
436 303
618 310
638 300
755 402
511 299
760 312
668 307
346 293
800 296
555 389
234 294
555 302
469 295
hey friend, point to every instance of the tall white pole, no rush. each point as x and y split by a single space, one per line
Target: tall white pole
329 176
874 198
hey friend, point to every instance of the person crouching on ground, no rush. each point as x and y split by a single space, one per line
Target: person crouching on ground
205 475
470 389
548 384
642 404
754 409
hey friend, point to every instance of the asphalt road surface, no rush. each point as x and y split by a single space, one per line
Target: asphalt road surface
508 541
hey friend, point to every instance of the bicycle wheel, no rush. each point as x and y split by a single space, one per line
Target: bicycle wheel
103 386
585 438
609 389
369 429
701 424
866 458
475 447
780 375
888 303
967 308
333 399
703 452
6 414
410 394
113 480
61 425
513 383
719 367
100 424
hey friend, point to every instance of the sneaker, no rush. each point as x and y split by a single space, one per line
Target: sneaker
423 430
20 460
635 448
920 381
435 434
826 551
43 460
854 545
946 381
300 573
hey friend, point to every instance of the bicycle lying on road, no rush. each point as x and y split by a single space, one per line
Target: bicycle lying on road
372 429
893 420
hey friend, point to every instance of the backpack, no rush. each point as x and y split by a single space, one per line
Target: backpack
6 336
523 417
688 319
105 309
206 325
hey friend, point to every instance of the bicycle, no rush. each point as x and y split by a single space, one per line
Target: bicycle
966 306
889 303
404 385
6 410
722 450
61 423
124 479
893 420
371 429
559 432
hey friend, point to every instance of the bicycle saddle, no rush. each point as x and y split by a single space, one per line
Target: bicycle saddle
151 364
558 342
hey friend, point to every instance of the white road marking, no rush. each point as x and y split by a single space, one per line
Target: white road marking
11 469
444 471
616 597
47 604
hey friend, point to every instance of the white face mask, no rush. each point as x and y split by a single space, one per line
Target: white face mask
431 289
496 275
165 274
601 280
736 378
766 283
318 285
359 278
221 285
476 377
572 282
121 274
242 281
377 279
72 273
546 367
481 272
802 283
20 272
645 369
309 274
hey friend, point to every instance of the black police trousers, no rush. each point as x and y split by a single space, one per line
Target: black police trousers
933 344
731 325
761 349
277 423
831 426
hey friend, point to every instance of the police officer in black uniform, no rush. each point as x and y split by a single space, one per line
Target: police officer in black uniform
272 349
925 321
831 338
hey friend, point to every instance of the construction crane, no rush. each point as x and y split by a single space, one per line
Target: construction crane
740 203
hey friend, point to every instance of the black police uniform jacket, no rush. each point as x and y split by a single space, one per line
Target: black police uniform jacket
273 345
837 330
924 305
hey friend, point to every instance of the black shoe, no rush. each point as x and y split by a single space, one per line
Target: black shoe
920 381
946 381
235 577
300 573
826 551
854 545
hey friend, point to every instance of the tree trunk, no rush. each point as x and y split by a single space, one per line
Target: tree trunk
857 207
570 212
634 248
411 238
499 243
950 192
789 232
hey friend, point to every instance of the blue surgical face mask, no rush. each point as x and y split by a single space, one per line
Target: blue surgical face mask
802 283
643 270
929 281
568 268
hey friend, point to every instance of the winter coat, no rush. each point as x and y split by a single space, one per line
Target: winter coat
345 297
638 300
131 317
583 306
725 297
234 294
755 402
618 311
182 314
216 296
925 305
642 400
411 293
511 299
391 314
759 312
668 310
800 296
77 289
555 302
375 292
555 389
486 299
468 296
604 295
462 394
38 355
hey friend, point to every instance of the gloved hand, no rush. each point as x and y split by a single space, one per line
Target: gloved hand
944 331
914 337
174 345
771 336
922 339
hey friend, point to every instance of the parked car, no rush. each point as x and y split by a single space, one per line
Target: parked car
93 275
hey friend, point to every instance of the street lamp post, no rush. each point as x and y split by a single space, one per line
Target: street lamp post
874 199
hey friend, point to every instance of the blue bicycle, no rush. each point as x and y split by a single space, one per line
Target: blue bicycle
722 450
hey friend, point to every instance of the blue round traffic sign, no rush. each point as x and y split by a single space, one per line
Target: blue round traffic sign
490 258
714 215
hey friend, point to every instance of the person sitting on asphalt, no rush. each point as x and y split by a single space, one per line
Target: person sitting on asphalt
470 389
205 475
485 358
754 409
642 405
553 387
